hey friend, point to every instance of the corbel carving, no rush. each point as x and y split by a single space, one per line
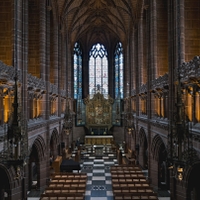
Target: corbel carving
53 89
160 83
190 71
36 83
63 93
143 88
133 92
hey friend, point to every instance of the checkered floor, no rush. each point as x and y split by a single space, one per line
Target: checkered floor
96 163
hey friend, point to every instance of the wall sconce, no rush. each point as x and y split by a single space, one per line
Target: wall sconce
67 132
180 173
130 130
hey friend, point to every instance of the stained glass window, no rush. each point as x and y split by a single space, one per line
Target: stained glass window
77 71
119 76
98 70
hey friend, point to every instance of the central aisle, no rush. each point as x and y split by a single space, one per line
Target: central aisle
96 163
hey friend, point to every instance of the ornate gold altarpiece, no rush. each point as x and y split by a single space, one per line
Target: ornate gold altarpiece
98 119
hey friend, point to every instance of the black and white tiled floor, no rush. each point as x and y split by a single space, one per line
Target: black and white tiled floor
96 163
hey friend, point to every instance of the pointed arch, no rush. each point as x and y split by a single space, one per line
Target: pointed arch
55 136
8 172
8 179
143 149
142 136
189 174
53 143
40 147
156 146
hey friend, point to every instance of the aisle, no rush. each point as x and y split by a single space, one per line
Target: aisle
97 166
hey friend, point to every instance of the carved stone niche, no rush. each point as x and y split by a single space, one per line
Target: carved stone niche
98 112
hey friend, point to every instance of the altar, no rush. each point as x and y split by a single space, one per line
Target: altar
98 140
99 118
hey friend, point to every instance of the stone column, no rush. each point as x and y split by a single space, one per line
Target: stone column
111 72
69 70
140 51
132 62
63 61
58 106
42 173
85 71
153 39
1 105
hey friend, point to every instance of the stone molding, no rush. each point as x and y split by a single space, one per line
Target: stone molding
143 89
163 124
160 83
7 74
190 71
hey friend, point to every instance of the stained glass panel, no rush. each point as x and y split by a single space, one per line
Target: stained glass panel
77 71
119 76
98 69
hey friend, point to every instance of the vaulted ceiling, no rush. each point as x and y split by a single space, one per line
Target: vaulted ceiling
92 21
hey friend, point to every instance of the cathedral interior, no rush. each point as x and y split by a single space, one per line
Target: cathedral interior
91 90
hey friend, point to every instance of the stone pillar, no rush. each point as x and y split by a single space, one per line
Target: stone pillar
153 171
69 70
1 106
85 71
58 106
111 72
153 39
63 61
141 155
132 62
47 85
55 52
140 50
42 38
42 173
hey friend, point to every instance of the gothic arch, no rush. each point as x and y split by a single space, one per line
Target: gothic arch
54 142
142 136
192 181
7 182
40 147
159 154
157 146
55 135
143 149
37 158
133 137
